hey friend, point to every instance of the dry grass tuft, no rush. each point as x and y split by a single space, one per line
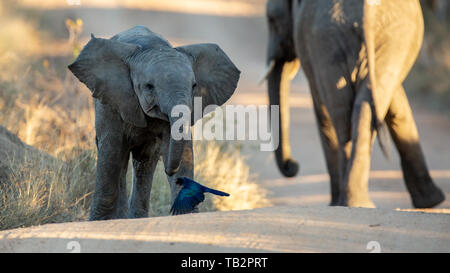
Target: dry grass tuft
43 190
222 167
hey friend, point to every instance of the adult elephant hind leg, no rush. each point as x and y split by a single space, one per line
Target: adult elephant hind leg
333 97
356 179
393 44
330 147
424 193
145 159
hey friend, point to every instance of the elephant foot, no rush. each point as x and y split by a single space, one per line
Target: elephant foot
103 211
137 213
335 200
433 197
361 204
121 213
290 168
358 202
99 216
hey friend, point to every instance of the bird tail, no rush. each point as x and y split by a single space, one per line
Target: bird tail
216 192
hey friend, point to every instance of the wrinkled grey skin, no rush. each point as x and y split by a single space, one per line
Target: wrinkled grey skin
136 78
355 57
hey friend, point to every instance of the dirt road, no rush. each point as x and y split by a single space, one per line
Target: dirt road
277 229
314 228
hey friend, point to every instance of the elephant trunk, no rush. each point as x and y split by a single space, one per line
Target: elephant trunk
180 134
176 148
278 89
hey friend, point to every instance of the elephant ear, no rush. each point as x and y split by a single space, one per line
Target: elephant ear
103 68
215 73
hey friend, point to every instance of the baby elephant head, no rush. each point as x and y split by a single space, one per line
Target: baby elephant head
149 77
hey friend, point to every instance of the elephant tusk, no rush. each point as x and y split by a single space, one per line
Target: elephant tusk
266 74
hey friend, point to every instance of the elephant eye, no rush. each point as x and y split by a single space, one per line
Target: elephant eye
194 85
150 86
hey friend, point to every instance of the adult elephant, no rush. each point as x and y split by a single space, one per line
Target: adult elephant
355 55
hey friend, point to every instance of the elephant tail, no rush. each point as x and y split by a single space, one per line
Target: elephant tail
369 22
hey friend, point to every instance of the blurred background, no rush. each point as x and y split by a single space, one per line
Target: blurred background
47 108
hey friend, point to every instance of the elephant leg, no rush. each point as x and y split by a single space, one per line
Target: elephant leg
424 193
144 164
327 65
356 180
122 203
112 163
333 109
186 167
330 147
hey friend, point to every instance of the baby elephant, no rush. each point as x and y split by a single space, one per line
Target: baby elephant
136 78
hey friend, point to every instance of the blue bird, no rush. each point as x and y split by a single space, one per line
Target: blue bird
190 196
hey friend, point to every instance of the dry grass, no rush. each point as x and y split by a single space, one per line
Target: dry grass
47 191
221 166
49 109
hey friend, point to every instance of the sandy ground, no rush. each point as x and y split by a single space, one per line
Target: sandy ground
313 228
276 229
